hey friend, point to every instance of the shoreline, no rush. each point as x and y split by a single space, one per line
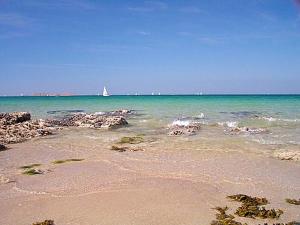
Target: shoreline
160 185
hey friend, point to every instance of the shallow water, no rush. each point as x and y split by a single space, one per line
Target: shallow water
172 180
278 114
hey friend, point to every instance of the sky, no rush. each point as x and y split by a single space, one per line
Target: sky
170 46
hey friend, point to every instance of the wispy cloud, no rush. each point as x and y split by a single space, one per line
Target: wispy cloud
190 9
149 6
14 20
143 33
215 40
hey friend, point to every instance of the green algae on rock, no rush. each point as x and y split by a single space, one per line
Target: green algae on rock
293 201
66 160
131 140
46 222
33 172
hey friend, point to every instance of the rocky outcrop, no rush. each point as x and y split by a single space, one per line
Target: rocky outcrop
22 131
184 129
14 118
89 120
17 126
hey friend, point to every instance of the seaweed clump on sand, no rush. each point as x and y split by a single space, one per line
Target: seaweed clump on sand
33 172
124 149
289 223
293 201
252 207
118 149
46 222
132 140
222 218
66 160
30 166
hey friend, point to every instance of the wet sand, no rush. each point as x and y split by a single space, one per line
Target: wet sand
173 181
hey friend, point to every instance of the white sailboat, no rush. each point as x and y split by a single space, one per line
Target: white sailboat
105 93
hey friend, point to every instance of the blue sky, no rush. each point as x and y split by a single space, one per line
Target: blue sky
210 46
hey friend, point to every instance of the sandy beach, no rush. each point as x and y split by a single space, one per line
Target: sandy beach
149 112
172 180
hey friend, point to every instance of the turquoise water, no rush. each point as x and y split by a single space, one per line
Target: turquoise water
280 114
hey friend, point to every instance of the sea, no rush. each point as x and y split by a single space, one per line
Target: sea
264 121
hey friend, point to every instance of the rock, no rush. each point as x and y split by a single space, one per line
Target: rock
114 121
14 118
190 129
248 130
89 120
17 127
121 112
2 147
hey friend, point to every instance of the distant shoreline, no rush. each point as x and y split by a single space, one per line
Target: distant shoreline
150 95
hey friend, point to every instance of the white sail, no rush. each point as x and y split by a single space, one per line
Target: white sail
105 93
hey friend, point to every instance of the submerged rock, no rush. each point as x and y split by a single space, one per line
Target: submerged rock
131 140
121 112
248 130
288 155
188 129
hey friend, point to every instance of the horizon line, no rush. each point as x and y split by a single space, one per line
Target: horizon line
156 95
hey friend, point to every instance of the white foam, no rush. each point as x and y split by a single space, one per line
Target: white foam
181 123
99 113
200 116
230 124
272 119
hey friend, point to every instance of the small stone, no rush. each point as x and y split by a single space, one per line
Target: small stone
2 147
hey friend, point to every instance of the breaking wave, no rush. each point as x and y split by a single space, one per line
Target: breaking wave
272 119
